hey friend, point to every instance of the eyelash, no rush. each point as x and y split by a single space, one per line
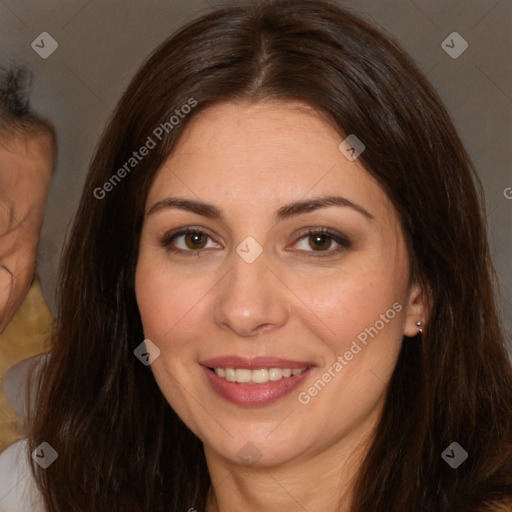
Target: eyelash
343 242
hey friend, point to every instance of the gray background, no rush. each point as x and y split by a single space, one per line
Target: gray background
103 42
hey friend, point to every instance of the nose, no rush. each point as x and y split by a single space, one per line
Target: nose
251 299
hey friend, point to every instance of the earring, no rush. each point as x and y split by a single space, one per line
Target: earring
418 323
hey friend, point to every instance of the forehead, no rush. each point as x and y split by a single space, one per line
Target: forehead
268 152
30 147
258 131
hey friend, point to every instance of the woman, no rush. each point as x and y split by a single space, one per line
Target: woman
282 209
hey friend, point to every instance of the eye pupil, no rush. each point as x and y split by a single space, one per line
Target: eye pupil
196 239
317 240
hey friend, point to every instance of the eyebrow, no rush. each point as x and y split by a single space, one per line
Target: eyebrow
285 212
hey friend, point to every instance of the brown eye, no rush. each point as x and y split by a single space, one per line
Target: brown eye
186 241
320 241
195 240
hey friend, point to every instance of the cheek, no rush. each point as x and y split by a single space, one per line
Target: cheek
152 300
165 300
175 314
174 311
346 305
359 321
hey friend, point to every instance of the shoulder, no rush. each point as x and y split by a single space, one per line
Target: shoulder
18 490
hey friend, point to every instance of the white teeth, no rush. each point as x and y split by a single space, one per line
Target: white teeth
259 376
275 374
243 375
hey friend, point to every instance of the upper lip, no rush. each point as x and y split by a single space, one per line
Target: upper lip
253 363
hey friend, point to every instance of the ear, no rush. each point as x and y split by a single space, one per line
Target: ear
416 311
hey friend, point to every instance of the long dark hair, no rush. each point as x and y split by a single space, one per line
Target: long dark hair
121 446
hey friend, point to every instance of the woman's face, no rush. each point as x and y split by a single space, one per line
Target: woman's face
250 291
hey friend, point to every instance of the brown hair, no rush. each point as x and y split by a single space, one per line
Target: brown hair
121 446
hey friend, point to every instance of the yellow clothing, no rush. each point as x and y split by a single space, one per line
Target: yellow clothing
28 334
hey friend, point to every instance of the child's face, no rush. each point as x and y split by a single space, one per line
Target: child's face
25 159
258 286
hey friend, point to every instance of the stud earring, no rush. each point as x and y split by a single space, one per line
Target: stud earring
418 323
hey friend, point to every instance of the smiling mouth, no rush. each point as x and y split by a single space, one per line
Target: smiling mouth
256 376
262 384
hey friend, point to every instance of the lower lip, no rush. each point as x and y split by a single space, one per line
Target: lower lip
255 395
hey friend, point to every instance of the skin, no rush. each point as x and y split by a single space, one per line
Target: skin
249 160
26 166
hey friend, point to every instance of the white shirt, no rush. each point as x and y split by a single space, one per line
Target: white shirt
18 490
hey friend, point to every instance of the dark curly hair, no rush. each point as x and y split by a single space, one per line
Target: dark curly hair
16 115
